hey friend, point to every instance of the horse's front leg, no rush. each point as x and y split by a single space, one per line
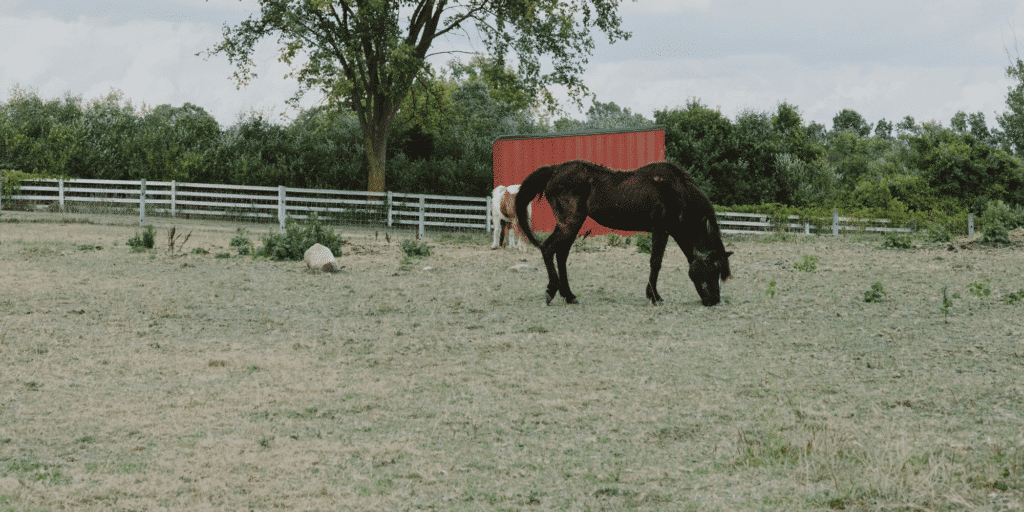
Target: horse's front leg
497 234
659 239
563 288
547 251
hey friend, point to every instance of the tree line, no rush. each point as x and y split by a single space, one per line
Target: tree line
441 143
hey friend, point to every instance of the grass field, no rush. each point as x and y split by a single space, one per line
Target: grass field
151 381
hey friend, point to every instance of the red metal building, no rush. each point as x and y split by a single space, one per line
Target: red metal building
516 156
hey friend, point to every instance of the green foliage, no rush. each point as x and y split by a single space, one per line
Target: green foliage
143 241
979 289
850 120
995 233
11 185
996 221
614 240
895 240
876 293
1014 297
242 243
414 249
938 233
810 264
644 244
771 290
947 303
297 238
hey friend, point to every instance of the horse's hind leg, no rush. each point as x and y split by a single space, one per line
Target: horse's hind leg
659 239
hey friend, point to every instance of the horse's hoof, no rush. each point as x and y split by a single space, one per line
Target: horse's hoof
574 300
658 302
548 298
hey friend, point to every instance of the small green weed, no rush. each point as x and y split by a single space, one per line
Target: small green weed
1014 297
896 241
810 264
876 293
200 251
979 289
614 240
242 243
771 291
143 241
222 255
644 245
947 304
414 249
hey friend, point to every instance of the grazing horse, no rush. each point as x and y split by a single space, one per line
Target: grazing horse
503 215
660 198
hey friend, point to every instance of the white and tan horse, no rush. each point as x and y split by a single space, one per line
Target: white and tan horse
503 215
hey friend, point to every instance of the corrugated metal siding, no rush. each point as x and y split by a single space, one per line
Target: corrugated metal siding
515 157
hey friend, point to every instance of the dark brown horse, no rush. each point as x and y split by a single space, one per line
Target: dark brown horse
660 198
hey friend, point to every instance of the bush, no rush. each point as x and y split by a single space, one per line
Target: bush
998 212
292 244
414 249
896 241
938 233
995 233
143 241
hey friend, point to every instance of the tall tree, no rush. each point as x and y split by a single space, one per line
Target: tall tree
364 55
851 120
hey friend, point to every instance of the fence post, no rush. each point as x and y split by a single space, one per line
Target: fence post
174 206
60 193
142 202
423 216
835 222
282 208
970 224
391 202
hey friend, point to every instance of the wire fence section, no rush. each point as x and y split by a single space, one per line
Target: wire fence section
748 223
254 204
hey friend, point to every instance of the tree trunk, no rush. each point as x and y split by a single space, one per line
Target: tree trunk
375 155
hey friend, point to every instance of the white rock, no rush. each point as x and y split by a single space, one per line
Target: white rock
321 259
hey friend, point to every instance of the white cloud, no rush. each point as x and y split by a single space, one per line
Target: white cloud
152 62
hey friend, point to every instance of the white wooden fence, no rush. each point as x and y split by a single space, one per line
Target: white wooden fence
255 204
264 204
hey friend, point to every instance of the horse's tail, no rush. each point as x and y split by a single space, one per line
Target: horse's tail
533 186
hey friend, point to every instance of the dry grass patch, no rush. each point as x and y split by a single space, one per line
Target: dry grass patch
148 381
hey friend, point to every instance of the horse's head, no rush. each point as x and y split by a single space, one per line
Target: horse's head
707 271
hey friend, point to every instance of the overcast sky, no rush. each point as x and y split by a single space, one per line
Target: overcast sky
884 59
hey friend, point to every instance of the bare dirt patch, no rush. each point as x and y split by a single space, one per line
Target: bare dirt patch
146 381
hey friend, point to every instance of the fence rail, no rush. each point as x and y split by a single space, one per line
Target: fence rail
253 203
265 204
